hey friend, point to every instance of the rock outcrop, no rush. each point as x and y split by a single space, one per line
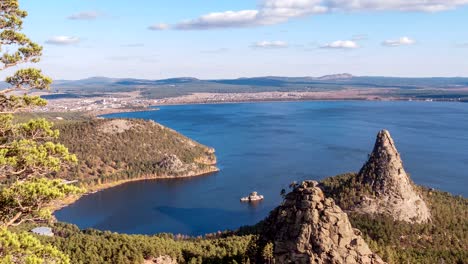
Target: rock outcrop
172 166
172 163
115 126
310 228
391 190
160 260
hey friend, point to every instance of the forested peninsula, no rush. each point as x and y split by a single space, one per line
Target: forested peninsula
115 151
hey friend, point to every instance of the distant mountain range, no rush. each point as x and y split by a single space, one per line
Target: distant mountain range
343 78
185 85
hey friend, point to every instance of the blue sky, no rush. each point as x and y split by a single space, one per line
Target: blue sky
156 39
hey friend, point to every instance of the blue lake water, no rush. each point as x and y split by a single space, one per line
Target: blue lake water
266 146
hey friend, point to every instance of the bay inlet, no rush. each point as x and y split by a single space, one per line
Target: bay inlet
264 147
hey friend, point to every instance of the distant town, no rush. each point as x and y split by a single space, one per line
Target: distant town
101 95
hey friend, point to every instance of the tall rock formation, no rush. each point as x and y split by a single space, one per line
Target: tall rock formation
309 228
392 192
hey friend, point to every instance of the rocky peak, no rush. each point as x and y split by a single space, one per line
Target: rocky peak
384 170
310 228
393 192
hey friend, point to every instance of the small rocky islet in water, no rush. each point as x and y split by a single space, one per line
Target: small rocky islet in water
253 197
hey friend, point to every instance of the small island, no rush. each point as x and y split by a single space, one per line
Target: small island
253 197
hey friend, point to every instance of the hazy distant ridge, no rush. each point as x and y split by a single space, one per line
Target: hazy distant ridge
436 87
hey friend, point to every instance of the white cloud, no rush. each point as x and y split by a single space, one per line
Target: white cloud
396 5
221 20
63 40
268 12
277 11
270 44
88 15
158 27
403 41
341 44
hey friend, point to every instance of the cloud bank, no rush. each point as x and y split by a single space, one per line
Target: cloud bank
270 12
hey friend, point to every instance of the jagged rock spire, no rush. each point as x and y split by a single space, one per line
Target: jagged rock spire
393 192
310 228
384 168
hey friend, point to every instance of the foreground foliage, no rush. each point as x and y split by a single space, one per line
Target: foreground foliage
28 154
26 201
25 248
27 150
92 246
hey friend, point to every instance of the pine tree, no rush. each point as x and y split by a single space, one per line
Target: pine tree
28 154
27 150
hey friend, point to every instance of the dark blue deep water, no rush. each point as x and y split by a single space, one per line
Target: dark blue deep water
266 146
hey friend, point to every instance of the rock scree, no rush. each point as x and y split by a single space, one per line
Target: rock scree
393 193
116 126
310 228
171 163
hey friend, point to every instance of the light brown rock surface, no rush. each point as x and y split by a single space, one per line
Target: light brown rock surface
161 260
172 163
116 126
310 228
393 192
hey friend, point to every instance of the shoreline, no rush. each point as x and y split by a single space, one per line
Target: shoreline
156 106
134 102
98 114
59 204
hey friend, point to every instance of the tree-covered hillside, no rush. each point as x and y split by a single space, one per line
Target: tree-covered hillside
119 149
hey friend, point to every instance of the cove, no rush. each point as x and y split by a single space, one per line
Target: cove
265 146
